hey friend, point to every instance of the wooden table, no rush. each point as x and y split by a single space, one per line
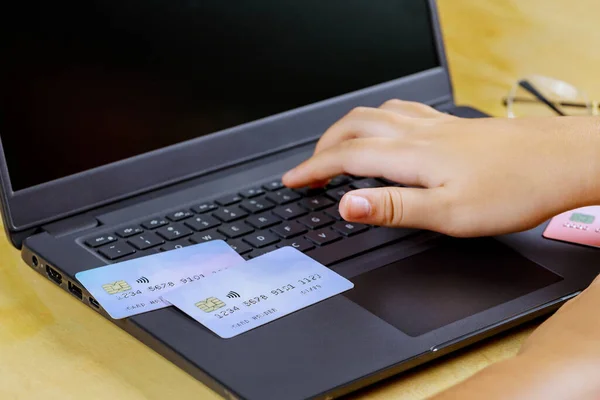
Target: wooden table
54 347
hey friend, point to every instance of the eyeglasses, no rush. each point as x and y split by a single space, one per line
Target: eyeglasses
538 95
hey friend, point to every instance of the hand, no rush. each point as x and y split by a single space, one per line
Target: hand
571 335
560 360
467 177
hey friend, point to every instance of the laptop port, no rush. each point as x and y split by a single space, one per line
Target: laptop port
54 275
34 261
75 290
94 303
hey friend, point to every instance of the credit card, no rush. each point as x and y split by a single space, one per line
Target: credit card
581 226
259 291
135 286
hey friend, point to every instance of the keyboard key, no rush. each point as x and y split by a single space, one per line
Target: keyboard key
291 211
358 244
229 214
235 230
207 236
154 223
289 229
179 215
316 220
204 207
173 231
338 181
271 186
129 231
100 240
139 254
334 212
349 228
263 221
202 222
249 193
229 200
179 244
145 241
283 196
259 252
239 246
116 250
316 203
261 239
309 192
300 244
323 236
257 205
366 184
338 193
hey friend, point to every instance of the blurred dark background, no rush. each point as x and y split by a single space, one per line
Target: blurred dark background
85 83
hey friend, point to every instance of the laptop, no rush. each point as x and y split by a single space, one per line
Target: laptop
121 119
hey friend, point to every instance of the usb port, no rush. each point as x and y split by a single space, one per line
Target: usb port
54 275
75 290
94 303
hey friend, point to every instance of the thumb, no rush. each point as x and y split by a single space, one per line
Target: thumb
395 207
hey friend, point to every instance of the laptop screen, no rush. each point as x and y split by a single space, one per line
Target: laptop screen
86 83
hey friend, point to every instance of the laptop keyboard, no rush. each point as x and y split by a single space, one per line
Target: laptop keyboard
255 221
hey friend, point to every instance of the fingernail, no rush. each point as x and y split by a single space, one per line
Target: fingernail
358 207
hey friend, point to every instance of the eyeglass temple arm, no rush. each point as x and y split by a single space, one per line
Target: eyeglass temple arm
560 103
531 89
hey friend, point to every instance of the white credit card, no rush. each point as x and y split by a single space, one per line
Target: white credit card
134 287
259 291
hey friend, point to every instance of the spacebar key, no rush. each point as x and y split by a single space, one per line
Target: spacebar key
355 245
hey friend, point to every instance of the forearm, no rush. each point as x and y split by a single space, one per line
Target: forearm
582 146
527 378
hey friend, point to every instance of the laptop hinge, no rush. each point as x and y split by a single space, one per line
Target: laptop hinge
442 102
70 225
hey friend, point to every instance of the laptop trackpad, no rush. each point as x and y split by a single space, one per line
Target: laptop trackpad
447 283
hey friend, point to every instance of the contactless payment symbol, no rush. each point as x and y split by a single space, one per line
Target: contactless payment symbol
209 305
116 287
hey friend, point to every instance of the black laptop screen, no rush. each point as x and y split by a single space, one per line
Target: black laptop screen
86 83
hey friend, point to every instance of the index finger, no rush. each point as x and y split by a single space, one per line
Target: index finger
372 157
363 122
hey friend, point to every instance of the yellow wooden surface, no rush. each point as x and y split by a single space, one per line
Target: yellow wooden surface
492 43
53 347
